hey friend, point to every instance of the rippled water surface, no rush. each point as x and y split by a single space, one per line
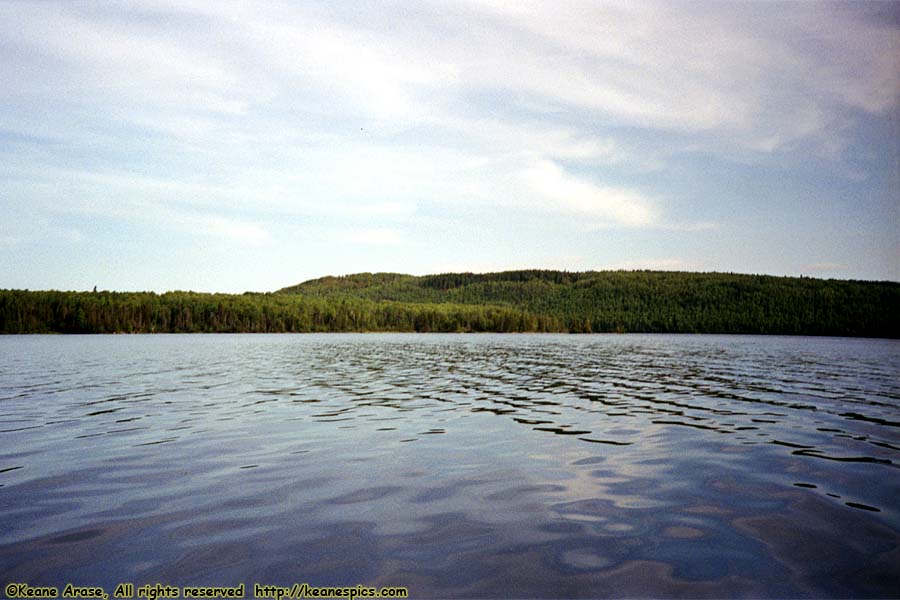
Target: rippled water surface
457 465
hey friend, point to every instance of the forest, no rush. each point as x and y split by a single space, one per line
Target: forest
511 301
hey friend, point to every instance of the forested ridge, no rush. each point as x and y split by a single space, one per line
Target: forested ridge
512 301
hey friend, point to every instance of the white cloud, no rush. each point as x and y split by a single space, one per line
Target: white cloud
248 233
210 226
565 192
98 59
373 237
240 121
699 226
751 79
192 208
16 230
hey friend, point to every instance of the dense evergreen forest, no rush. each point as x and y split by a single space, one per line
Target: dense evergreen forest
512 301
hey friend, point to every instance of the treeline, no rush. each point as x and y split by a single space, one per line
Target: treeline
189 312
647 301
513 301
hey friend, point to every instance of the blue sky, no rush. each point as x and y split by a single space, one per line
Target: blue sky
225 146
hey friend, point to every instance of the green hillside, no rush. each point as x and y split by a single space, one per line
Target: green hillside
646 301
512 301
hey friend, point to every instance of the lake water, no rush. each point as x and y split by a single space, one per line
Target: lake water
454 465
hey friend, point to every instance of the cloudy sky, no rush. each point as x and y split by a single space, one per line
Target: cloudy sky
226 146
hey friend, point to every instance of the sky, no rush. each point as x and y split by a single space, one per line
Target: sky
233 146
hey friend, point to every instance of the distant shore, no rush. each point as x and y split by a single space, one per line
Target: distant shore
509 302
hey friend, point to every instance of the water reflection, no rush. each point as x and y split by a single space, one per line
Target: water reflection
466 466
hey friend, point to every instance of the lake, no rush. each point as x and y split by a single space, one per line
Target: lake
454 465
